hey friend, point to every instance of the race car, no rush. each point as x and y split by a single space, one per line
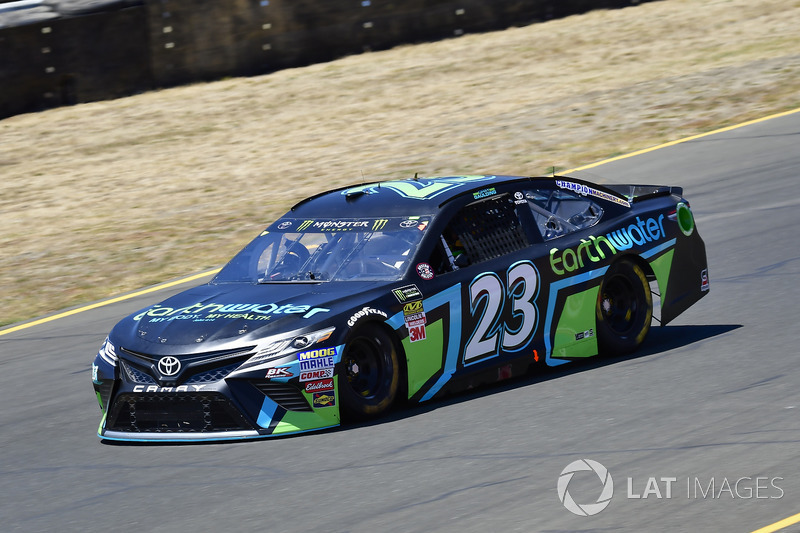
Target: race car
368 296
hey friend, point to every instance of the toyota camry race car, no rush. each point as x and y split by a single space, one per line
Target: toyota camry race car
362 297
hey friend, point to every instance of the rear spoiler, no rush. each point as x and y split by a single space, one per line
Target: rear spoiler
637 193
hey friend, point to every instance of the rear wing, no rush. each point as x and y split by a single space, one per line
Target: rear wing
637 193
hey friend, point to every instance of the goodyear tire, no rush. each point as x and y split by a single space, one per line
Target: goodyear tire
624 309
370 377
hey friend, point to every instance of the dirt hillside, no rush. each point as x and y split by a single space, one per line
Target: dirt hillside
103 198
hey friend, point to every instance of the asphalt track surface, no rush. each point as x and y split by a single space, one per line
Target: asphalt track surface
712 398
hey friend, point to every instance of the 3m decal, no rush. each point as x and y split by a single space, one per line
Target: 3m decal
416 333
488 297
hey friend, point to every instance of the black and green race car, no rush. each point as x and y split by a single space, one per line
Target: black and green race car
364 297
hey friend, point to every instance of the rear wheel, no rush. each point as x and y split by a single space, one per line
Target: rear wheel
624 308
370 378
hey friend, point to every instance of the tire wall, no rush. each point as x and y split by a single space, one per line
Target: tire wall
118 52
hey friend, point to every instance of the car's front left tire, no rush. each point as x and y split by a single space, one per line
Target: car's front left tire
369 380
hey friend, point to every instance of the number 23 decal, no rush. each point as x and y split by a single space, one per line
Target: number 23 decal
488 296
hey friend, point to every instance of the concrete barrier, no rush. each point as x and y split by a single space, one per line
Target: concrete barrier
84 55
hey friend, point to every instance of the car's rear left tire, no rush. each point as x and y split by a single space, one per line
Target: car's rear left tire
370 377
624 308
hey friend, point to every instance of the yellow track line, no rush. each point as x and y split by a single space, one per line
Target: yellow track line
110 301
786 522
679 141
208 273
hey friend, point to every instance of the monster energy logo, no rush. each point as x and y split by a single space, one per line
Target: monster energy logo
304 226
409 292
380 224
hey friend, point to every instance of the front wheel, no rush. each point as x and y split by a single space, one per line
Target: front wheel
370 377
624 308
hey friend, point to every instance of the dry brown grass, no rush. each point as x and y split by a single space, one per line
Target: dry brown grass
102 198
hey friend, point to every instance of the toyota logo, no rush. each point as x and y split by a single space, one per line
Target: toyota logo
169 366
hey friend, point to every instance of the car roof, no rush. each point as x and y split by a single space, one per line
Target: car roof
418 195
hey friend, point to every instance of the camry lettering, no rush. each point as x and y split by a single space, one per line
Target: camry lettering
179 388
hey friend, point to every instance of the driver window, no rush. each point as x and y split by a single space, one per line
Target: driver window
480 231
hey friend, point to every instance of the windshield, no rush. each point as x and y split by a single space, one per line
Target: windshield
303 250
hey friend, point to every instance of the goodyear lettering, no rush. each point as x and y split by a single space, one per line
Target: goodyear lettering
364 312
595 249
316 354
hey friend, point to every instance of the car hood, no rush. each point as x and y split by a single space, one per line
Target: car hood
211 317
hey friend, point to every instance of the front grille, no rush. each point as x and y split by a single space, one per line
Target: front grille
134 375
287 396
213 375
175 413
207 367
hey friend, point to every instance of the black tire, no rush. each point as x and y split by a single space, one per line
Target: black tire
624 309
370 377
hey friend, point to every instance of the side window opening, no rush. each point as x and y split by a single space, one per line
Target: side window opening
480 231
559 212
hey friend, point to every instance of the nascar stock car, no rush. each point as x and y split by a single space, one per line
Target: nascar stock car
363 297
